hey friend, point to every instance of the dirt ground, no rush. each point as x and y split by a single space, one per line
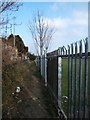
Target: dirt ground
33 100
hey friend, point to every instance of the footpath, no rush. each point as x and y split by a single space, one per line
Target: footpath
32 100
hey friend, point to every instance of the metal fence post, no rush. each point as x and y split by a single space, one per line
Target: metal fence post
69 84
46 67
59 81
80 81
86 80
72 75
41 65
75 81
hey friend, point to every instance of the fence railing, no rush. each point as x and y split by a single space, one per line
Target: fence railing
68 79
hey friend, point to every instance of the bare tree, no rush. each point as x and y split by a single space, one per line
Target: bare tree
12 5
41 32
8 5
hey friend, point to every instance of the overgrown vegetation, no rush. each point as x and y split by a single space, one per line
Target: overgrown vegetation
31 56
12 76
19 44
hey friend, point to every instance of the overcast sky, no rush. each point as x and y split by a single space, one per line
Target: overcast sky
70 20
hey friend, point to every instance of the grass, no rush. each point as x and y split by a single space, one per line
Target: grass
65 83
